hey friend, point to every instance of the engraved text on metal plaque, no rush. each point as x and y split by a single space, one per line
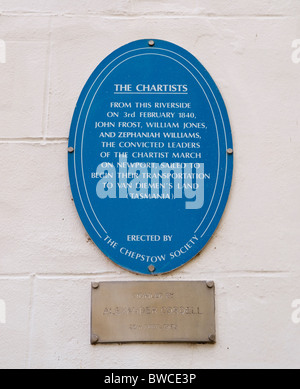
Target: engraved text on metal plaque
163 311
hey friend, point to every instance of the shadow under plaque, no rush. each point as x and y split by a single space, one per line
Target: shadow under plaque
160 311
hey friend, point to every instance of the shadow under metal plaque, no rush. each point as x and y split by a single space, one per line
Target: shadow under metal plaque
163 311
150 156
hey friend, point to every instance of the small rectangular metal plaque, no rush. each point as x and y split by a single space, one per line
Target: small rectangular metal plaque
161 311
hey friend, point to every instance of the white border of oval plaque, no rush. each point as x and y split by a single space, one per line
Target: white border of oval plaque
150 157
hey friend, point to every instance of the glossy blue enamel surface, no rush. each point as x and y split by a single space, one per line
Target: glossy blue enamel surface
150 172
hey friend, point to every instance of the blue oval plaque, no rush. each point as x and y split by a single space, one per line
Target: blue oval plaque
150 156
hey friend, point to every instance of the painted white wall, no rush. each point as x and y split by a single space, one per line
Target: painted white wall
46 259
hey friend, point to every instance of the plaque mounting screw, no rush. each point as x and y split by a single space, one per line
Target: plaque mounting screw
95 285
151 43
71 150
210 284
95 339
229 151
151 269
212 338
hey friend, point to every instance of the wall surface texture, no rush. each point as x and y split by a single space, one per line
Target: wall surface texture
49 48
